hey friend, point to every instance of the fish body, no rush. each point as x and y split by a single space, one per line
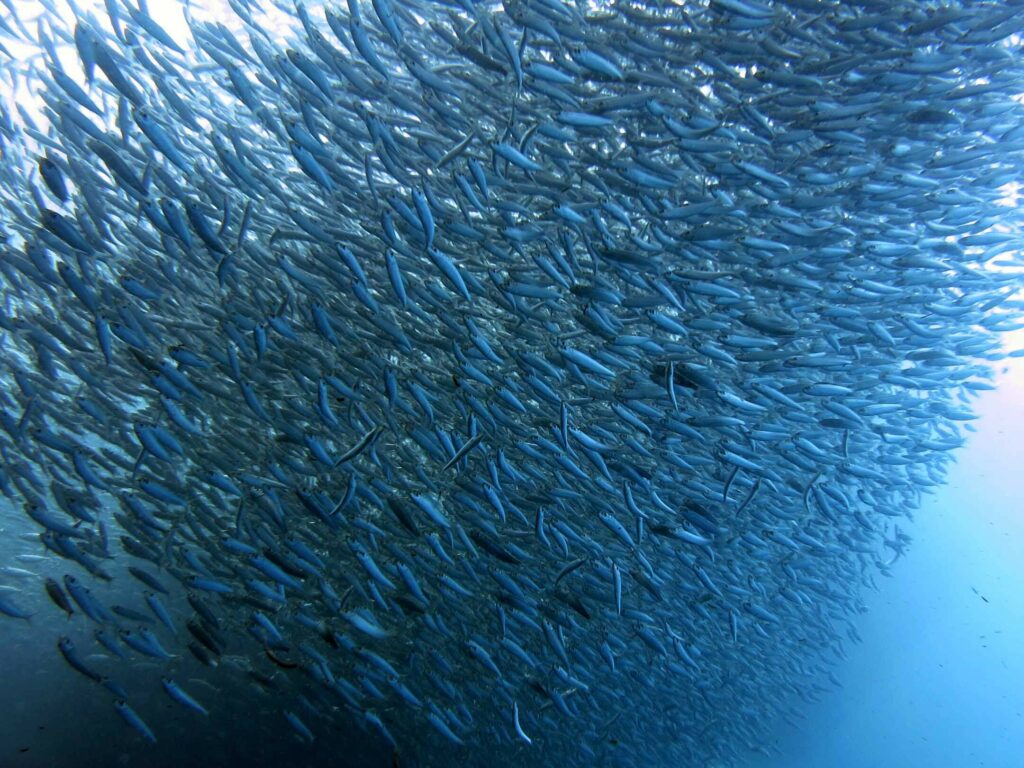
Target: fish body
480 370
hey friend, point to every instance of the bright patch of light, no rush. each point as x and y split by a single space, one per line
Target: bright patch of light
56 23
1010 194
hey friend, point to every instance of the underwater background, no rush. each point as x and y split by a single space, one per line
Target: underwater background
525 383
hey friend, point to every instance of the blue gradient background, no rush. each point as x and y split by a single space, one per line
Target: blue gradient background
938 681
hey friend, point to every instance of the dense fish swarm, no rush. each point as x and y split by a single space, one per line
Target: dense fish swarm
509 380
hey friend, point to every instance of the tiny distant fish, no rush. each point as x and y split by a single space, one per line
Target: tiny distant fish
670 313
8 607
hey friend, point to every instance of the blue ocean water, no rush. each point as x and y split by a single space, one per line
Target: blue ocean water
937 676
393 383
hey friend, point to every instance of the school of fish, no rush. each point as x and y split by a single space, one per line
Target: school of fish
514 381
